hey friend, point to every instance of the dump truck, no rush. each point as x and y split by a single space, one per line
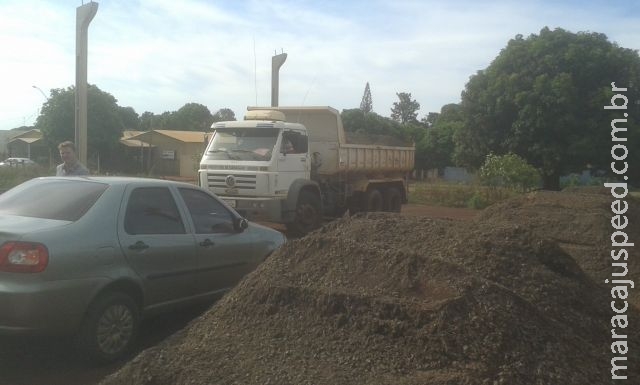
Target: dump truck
297 166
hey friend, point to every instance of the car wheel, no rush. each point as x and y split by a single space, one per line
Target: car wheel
308 215
110 328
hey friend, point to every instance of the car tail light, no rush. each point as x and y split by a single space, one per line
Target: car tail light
23 257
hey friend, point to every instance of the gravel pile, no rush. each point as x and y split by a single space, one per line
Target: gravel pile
385 299
579 220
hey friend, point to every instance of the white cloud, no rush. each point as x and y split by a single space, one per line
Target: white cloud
157 55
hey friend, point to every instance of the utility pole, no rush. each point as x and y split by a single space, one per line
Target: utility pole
84 15
276 62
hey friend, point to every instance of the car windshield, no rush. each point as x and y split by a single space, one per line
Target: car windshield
243 143
66 200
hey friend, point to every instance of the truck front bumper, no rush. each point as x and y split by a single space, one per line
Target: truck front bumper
259 209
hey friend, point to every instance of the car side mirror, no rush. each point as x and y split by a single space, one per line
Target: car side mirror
241 224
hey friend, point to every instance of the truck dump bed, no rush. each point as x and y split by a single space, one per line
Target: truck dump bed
361 157
328 144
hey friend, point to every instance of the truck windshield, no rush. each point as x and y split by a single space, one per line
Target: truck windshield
243 143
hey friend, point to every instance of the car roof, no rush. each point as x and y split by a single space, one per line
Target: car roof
119 180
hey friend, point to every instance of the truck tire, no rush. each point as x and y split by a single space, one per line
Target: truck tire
110 328
308 215
393 200
374 200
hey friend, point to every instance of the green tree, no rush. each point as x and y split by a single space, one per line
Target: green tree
355 120
147 120
191 117
542 98
366 105
104 120
429 120
224 115
129 118
371 128
436 147
510 171
405 110
166 121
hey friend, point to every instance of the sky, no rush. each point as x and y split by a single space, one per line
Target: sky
158 55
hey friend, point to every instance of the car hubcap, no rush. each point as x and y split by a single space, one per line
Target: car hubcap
115 329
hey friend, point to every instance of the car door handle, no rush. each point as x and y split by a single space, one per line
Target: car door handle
206 243
139 246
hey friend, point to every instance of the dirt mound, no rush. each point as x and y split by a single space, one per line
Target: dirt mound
384 299
579 220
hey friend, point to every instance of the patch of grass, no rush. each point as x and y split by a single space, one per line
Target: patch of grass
13 176
457 195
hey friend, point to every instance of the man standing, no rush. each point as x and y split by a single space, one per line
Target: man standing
70 166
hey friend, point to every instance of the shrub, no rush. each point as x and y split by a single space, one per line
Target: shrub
477 201
510 171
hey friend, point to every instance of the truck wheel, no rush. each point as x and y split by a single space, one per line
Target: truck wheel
393 200
110 328
374 200
308 214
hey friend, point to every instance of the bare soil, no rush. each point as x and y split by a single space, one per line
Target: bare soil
514 295
414 210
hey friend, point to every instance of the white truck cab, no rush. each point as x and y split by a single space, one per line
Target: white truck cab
251 164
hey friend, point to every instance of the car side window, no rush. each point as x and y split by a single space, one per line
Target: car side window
208 214
152 210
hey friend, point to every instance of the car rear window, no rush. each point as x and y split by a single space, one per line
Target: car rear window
66 200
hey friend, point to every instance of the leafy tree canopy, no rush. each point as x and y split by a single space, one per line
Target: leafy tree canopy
105 119
543 97
224 115
405 110
192 117
430 119
436 147
355 120
129 117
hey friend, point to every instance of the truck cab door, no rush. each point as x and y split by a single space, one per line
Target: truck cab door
293 159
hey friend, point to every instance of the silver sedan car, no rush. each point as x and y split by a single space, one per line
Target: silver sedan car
91 256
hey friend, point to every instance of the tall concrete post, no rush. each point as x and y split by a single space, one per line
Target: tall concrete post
84 15
276 62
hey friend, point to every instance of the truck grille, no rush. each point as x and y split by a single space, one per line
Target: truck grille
226 181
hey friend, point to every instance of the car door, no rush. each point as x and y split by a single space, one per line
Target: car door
157 244
224 254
